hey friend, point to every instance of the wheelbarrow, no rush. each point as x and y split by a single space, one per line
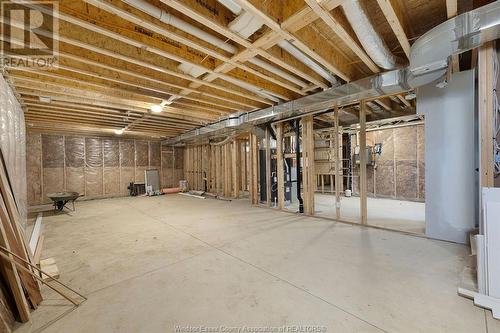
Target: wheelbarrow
60 200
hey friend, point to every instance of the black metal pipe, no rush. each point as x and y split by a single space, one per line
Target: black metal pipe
299 169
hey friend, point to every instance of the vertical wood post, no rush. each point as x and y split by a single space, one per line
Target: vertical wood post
268 168
486 53
280 166
362 163
236 168
254 172
309 179
338 179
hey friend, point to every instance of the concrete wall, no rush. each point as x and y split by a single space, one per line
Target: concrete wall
399 172
450 151
93 166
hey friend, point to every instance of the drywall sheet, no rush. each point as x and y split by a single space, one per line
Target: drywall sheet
450 187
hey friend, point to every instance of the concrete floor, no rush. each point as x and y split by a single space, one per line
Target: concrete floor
400 215
149 264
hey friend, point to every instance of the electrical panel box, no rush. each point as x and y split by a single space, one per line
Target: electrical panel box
369 155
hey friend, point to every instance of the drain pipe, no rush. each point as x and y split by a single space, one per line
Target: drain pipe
299 173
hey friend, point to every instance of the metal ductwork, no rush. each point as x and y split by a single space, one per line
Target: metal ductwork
374 46
428 62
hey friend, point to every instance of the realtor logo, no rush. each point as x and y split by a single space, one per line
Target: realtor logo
30 34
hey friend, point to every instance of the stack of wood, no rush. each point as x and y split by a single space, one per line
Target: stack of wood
19 287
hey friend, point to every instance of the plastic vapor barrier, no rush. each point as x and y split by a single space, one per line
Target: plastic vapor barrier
13 144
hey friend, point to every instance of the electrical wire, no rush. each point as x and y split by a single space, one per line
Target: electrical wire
496 117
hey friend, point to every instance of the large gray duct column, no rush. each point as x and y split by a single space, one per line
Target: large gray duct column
450 158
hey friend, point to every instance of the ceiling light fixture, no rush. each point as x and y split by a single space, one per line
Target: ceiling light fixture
156 108
119 131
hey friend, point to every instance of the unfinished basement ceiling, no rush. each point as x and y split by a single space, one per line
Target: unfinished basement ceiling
120 58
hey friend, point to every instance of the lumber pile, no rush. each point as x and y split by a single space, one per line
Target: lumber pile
20 290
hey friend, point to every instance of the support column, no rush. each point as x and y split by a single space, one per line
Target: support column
338 179
268 168
236 168
309 179
254 172
227 170
486 53
362 163
280 166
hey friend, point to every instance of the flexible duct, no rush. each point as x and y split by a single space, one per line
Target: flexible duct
209 38
374 46
285 45
428 63
180 24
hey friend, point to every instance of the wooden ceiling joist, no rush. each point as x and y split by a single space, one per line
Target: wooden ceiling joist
117 61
